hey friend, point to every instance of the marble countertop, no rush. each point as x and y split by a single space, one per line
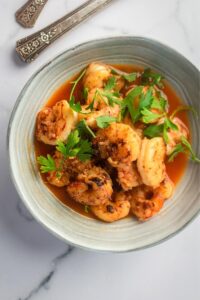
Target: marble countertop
33 263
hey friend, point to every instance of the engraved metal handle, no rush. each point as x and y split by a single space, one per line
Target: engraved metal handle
29 12
30 47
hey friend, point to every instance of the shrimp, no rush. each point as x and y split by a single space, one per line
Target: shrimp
92 187
99 101
118 143
128 176
113 210
150 162
90 118
146 202
73 166
58 178
55 123
96 75
176 135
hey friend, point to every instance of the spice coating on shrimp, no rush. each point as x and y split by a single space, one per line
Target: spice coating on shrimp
92 187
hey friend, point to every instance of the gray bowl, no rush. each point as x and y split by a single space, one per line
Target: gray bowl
127 234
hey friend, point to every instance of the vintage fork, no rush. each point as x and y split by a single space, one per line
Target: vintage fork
30 47
28 14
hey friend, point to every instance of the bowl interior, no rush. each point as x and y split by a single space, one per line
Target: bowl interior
124 235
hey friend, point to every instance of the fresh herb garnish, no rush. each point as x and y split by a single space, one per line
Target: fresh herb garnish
153 130
75 83
47 164
84 129
148 116
130 77
75 146
182 108
86 208
160 129
85 93
149 77
129 102
110 84
105 121
76 106
183 147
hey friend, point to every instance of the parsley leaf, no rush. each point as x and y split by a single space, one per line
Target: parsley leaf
84 129
149 116
110 84
75 146
146 99
85 150
178 149
183 147
159 104
75 106
168 124
129 103
47 164
189 148
151 78
104 121
153 130
130 77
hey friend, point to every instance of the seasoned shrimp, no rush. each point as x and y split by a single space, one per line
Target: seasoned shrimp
99 101
60 178
73 166
96 75
92 187
113 210
150 162
112 111
128 176
55 123
146 202
118 143
176 135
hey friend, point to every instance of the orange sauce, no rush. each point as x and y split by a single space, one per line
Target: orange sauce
175 169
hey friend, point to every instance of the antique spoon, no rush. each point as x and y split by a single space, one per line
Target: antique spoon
28 14
30 47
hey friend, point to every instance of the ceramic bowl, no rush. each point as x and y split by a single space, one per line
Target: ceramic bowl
127 234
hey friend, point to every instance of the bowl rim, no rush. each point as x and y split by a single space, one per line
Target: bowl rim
41 221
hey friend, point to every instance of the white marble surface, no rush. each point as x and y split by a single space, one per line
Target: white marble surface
33 263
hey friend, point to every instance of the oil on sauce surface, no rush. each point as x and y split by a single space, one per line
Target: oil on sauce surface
175 169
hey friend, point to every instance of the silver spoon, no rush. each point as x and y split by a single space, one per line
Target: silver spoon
28 14
30 47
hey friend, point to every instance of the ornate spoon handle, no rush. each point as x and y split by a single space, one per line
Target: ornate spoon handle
30 47
29 12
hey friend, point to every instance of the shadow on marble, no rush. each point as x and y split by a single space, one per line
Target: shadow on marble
17 61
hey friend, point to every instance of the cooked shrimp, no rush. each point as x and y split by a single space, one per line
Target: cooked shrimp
113 210
118 143
128 176
73 166
176 135
58 178
55 123
92 187
150 162
96 75
146 202
90 118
